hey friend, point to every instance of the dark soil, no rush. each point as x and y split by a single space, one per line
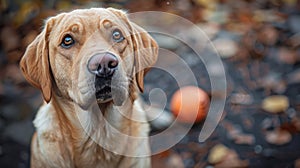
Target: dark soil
266 63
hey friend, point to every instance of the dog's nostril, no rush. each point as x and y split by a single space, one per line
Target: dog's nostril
99 68
112 64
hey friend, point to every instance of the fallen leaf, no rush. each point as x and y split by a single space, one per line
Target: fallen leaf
275 104
217 153
241 98
159 160
296 123
175 161
232 160
268 35
287 56
234 133
226 47
297 163
244 139
278 137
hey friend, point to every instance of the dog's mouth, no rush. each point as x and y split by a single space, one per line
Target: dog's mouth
103 90
110 90
104 95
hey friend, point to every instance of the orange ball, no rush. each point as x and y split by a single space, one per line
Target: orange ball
190 104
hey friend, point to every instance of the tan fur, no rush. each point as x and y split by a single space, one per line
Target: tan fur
70 125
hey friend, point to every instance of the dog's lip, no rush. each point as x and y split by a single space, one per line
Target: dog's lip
102 101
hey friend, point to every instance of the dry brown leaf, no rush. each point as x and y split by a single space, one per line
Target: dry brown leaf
297 163
175 161
226 47
244 139
232 160
278 137
268 35
275 104
287 56
217 153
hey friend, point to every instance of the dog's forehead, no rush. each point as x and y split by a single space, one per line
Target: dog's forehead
89 17
91 13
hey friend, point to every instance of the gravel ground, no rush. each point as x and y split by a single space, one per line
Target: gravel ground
259 45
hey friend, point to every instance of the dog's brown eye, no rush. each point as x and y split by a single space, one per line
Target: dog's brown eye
117 36
67 42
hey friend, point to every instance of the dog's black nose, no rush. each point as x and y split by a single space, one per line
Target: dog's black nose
103 65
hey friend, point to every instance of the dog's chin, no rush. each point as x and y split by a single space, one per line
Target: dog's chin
108 91
108 95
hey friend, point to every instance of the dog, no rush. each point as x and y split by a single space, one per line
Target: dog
89 65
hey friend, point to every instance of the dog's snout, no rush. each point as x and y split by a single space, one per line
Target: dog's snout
103 65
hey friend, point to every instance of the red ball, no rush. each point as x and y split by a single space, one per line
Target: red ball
190 104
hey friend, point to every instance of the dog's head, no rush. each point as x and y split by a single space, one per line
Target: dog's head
87 53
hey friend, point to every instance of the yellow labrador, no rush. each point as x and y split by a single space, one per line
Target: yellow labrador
89 65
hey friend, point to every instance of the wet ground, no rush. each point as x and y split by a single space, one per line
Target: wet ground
265 37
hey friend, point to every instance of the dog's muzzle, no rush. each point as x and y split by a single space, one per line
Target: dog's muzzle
103 66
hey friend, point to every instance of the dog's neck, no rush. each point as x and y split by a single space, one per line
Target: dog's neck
96 115
100 123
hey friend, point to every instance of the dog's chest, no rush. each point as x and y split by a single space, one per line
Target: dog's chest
95 156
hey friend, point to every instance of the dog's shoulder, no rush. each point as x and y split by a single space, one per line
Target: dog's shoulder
49 143
46 123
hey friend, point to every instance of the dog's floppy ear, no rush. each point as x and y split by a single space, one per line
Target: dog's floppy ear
145 53
35 62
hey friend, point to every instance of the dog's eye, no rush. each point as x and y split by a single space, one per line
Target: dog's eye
117 35
67 42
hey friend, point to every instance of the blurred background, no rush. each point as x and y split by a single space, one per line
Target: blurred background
258 42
